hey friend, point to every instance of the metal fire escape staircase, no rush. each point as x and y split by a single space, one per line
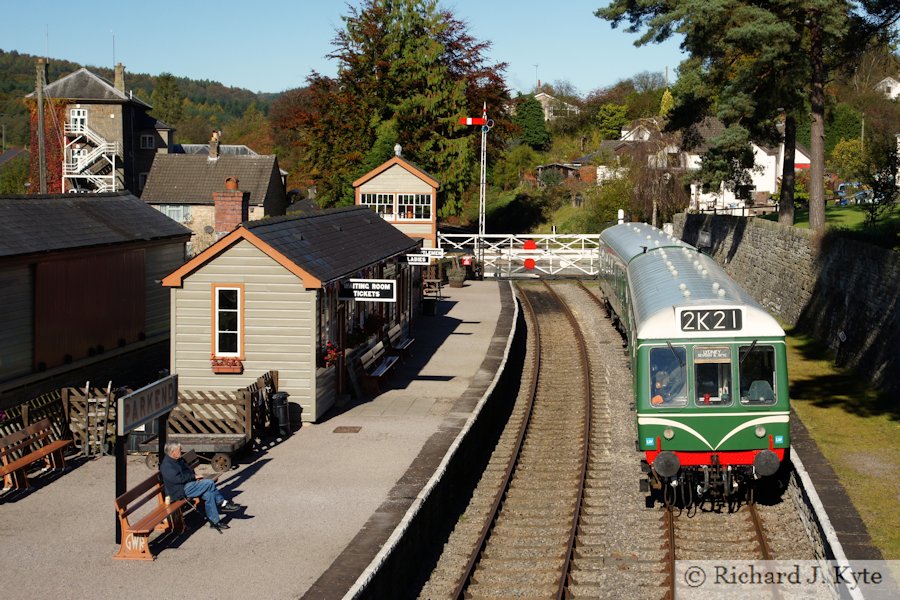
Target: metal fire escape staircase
89 161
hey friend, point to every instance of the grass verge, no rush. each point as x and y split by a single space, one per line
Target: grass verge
858 432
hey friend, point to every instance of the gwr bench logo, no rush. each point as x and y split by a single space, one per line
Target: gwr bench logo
135 544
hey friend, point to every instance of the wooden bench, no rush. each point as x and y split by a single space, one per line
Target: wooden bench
376 365
399 342
164 515
20 450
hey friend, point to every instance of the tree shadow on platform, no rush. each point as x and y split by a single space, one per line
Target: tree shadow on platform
839 387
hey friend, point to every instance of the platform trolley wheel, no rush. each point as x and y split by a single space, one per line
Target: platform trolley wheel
220 462
152 461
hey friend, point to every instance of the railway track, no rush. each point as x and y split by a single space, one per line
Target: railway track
526 546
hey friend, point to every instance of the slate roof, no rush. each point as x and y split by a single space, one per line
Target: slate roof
85 85
192 178
240 149
334 243
32 224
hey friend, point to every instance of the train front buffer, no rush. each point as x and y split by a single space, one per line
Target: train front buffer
711 455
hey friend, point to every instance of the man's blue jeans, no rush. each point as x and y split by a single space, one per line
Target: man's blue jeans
206 490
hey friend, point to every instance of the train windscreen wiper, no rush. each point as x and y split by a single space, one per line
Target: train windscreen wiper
749 350
675 354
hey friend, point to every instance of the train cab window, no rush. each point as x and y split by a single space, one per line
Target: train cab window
712 375
668 367
757 375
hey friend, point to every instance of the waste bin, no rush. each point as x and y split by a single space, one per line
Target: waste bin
429 306
279 413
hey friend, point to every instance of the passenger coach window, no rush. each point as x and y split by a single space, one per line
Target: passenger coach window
667 376
712 374
757 375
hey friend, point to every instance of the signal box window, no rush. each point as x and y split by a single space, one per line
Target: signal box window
757 375
667 377
414 206
228 321
383 204
712 375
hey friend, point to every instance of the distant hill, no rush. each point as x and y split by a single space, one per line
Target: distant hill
17 74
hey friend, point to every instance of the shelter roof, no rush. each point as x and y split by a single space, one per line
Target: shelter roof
318 248
33 224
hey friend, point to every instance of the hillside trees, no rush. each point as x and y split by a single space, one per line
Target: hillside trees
407 71
746 49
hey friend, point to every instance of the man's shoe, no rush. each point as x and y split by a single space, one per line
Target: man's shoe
230 507
220 526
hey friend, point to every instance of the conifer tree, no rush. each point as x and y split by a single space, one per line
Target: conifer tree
167 100
530 120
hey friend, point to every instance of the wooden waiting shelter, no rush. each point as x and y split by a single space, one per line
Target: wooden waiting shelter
272 295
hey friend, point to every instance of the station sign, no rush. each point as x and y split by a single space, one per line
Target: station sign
435 252
369 290
148 403
418 259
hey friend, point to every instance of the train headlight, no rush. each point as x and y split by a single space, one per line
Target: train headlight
760 431
668 433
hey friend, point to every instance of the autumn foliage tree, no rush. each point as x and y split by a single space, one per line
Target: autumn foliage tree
407 71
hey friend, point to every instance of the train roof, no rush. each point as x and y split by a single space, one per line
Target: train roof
629 240
672 277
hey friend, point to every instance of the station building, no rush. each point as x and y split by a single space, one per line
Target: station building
79 287
273 294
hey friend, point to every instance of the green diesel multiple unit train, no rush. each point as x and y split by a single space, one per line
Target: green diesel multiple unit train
709 367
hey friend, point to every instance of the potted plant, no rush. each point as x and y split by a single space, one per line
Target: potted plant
456 275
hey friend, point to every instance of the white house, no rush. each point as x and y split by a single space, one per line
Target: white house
765 176
554 107
890 87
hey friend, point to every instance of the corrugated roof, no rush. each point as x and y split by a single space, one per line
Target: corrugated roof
192 178
334 243
85 85
30 224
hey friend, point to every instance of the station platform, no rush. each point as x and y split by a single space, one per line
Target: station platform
320 503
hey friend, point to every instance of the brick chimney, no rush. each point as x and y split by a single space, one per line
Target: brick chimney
120 77
232 207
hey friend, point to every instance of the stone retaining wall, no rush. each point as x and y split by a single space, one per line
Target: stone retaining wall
832 287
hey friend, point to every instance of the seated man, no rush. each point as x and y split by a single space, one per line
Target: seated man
181 482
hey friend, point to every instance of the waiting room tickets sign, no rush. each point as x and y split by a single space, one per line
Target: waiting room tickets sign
369 290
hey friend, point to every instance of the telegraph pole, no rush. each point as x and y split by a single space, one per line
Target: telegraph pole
42 156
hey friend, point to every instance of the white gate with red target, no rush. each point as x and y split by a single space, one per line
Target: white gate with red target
528 256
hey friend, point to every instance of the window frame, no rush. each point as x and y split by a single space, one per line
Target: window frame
214 351
418 202
374 200
144 138
680 401
774 383
723 366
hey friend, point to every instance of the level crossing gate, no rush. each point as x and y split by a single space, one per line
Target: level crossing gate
506 256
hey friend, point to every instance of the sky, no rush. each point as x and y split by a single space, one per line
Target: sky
273 45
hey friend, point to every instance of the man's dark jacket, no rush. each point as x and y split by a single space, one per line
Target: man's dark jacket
175 473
